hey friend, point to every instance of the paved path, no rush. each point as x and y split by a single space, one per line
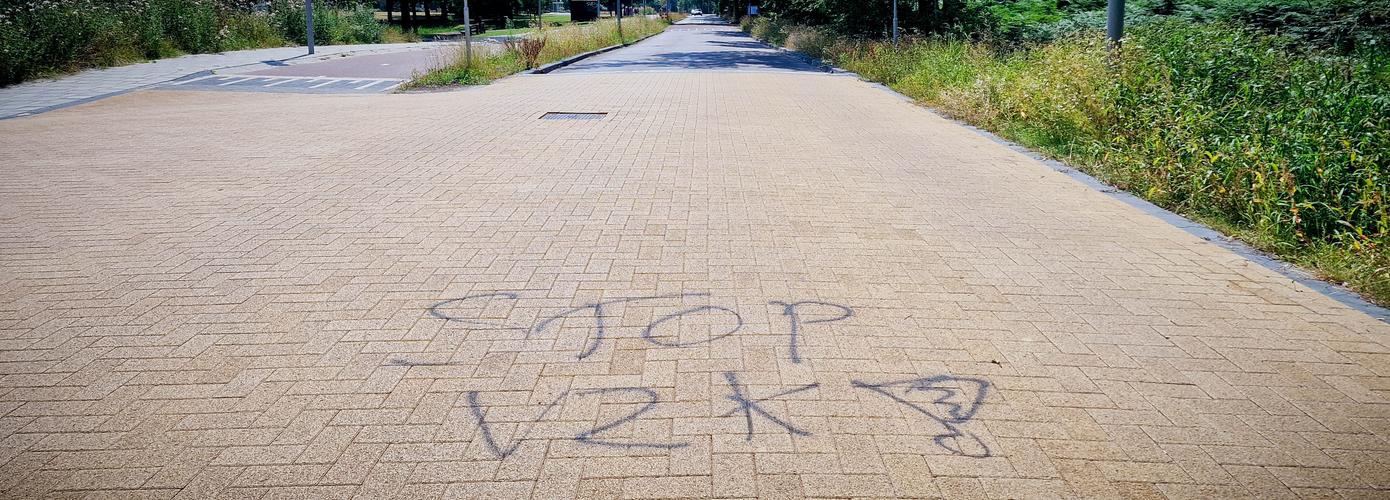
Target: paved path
695 47
42 95
735 283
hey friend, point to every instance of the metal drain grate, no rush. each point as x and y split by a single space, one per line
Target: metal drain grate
573 116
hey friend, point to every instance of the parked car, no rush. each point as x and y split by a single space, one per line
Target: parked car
696 12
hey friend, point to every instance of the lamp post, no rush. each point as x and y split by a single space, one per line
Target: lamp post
621 40
1115 21
309 24
467 37
895 23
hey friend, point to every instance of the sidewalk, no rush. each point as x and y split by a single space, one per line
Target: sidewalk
43 95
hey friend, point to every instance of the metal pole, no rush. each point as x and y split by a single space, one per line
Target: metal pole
621 40
895 23
467 37
1115 21
309 23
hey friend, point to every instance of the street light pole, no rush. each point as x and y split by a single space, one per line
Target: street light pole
309 23
895 23
621 40
1115 21
467 37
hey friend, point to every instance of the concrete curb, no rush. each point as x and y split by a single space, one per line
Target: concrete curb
1288 270
580 57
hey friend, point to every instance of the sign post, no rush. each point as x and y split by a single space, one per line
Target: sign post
309 24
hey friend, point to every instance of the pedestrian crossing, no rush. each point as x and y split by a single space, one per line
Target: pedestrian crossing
262 83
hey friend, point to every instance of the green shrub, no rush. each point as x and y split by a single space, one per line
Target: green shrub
770 30
16 53
360 25
192 25
810 41
249 30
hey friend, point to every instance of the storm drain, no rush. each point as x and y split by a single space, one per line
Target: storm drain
573 116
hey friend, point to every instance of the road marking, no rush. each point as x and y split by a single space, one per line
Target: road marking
193 80
344 84
234 82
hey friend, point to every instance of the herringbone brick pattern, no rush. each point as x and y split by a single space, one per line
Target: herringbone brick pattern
734 285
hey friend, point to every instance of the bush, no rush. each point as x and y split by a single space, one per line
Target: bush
360 25
770 30
247 30
810 41
191 25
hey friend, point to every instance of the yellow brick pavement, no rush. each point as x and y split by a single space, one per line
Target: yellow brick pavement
735 285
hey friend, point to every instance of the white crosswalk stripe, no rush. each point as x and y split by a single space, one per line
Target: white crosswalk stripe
316 84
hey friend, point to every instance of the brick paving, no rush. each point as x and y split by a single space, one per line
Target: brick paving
736 284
